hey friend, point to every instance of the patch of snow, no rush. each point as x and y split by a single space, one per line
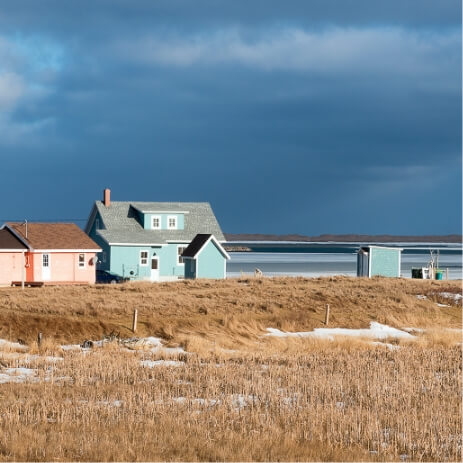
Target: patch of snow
455 297
376 331
413 330
164 363
442 305
71 347
386 344
28 358
150 343
17 375
114 403
4 344
421 296
239 400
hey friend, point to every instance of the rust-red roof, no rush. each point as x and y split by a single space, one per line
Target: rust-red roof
54 236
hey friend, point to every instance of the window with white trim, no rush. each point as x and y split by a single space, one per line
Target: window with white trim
156 222
172 222
81 260
45 260
143 258
180 250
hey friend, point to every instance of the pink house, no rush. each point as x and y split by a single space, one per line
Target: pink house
48 253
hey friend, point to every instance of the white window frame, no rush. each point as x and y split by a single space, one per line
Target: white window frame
158 217
144 258
79 263
184 246
45 260
169 217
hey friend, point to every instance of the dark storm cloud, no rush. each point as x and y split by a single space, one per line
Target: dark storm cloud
291 117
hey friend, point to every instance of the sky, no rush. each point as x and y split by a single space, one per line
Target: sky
310 117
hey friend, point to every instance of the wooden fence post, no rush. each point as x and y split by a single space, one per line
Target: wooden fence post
39 339
446 273
327 314
134 323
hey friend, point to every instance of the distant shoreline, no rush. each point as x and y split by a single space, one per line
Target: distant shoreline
351 238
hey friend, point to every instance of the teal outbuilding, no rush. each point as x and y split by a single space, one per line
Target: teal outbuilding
146 240
379 260
205 258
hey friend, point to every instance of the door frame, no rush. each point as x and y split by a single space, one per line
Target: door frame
46 274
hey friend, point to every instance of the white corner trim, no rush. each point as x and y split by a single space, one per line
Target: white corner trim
161 212
81 251
157 245
14 250
221 249
385 247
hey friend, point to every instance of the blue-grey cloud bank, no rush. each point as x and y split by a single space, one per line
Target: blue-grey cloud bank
288 117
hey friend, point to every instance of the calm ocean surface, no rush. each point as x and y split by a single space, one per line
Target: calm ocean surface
313 260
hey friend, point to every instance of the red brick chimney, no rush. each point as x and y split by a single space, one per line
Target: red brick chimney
107 197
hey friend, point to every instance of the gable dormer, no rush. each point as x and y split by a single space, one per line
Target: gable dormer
161 219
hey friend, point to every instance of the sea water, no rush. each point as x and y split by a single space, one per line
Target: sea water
308 261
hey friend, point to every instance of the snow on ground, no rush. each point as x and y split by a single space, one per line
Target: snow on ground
164 363
17 375
376 331
152 344
455 297
386 344
149 344
28 358
12 345
413 330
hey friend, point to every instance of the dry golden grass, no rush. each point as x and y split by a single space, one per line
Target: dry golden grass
236 395
325 405
230 312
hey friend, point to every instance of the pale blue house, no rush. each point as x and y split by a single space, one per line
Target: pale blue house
146 240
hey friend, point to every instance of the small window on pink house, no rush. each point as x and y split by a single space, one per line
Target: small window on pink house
81 260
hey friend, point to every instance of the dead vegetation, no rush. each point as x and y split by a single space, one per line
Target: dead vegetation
229 312
234 395
323 404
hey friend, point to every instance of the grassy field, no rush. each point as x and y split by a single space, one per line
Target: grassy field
233 393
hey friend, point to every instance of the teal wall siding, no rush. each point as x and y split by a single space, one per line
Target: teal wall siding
126 259
146 221
210 262
385 262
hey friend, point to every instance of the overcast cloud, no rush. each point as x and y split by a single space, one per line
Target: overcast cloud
289 117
